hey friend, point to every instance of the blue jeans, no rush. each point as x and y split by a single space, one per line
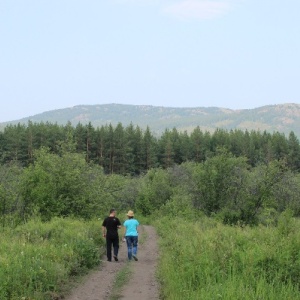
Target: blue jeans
132 242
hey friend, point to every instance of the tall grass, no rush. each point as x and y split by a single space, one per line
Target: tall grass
37 259
208 260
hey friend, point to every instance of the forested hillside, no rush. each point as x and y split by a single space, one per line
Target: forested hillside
282 118
63 170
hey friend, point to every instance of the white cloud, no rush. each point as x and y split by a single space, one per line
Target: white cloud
189 9
140 2
198 9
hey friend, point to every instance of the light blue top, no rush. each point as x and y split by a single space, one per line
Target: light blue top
131 227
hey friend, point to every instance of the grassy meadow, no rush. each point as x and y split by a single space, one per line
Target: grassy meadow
200 258
207 260
37 259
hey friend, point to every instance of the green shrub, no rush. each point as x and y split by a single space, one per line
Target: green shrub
37 259
208 260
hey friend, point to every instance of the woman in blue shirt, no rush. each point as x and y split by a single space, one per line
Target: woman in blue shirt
131 235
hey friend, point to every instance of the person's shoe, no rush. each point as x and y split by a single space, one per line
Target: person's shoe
109 260
116 258
135 258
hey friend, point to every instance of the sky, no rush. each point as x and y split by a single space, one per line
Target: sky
237 54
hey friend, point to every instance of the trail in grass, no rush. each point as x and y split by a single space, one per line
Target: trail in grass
140 280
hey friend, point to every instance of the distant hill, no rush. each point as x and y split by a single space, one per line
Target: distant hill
283 118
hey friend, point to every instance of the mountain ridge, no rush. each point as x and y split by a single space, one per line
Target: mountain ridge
283 118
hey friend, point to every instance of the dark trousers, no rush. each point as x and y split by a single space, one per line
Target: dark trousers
112 241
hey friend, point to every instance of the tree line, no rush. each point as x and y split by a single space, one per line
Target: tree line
58 171
224 186
132 151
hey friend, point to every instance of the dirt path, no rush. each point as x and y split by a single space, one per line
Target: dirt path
142 283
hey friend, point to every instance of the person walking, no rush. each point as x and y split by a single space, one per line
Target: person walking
131 235
110 227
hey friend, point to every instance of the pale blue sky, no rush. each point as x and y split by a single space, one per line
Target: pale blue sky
179 53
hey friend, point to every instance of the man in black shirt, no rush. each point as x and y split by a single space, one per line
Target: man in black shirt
110 227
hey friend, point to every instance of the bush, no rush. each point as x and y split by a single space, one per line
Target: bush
208 260
38 258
